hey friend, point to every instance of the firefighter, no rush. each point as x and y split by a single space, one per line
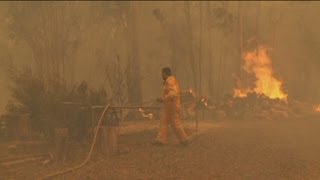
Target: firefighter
171 110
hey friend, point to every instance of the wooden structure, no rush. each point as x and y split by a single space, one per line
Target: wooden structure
108 133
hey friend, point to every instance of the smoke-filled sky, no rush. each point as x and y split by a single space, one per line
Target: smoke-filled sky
96 32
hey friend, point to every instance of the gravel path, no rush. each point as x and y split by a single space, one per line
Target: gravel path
220 150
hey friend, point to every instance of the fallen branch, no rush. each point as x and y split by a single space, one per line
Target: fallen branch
21 161
22 157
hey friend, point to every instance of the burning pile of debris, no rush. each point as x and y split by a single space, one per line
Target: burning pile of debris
255 106
265 98
259 94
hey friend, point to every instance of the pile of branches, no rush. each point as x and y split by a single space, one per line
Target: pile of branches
259 106
253 106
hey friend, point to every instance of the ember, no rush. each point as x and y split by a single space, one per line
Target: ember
145 115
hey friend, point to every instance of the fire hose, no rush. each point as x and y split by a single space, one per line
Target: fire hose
89 154
91 148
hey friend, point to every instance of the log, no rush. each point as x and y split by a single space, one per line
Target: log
22 157
22 161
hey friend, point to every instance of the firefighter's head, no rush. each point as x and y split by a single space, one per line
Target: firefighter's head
166 72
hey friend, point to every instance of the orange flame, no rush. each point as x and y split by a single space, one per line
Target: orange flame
149 116
316 108
258 63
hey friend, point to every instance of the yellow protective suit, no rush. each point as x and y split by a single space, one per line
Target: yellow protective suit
171 111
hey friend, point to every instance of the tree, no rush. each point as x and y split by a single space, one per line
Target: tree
115 75
210 77
240 35
134 71
51 33
124 16
275 19
170 28
221 19
200 50
310 65
192 59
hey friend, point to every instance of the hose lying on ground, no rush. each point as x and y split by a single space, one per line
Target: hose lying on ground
89 154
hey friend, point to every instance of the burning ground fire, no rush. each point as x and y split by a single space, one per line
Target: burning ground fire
258 63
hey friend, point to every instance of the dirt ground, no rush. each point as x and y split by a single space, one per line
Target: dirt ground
288 149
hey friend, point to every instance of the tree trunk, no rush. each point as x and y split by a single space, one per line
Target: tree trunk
210 78
225 72
200 51
240 35
50 44
172 30
220 67
258 19
190 42
134 74
211 72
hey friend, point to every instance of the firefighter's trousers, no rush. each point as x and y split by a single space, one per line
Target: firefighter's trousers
171 116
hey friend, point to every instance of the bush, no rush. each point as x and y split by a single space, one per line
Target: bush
41 99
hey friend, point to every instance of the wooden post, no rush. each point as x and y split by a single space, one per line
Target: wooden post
61 144
197 124
107 140
107 137
111 139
